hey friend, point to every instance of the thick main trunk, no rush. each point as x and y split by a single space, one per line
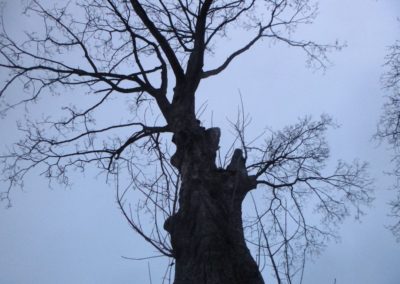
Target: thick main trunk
207 231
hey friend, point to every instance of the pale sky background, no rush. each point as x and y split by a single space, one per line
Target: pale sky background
77 235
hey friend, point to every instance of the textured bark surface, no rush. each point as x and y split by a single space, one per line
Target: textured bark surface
207 232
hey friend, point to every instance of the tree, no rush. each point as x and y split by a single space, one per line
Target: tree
389 124
157 53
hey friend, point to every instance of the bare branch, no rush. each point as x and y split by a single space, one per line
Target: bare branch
389 125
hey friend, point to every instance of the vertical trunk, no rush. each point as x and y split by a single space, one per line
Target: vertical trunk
207 232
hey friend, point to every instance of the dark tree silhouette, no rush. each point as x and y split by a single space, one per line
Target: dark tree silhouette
389 125
153 55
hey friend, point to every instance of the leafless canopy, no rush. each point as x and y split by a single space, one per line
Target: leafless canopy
92 56
290 165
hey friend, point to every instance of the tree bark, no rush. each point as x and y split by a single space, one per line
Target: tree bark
207 232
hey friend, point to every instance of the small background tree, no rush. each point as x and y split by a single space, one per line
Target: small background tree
389 125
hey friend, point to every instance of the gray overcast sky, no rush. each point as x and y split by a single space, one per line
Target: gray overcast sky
77 235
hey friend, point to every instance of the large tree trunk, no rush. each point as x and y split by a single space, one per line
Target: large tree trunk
207 232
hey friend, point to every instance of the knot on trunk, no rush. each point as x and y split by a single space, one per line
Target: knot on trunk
169 224
197 146
238 163
213 135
